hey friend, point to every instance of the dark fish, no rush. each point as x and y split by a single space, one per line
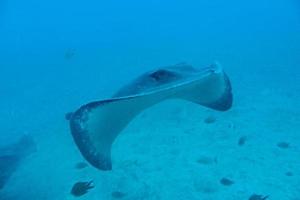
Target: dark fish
210 120
118 194
283 145
258 197
70 53
80 165
226 182
81 188
242 140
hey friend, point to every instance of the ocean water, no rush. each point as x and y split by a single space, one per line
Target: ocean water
58 55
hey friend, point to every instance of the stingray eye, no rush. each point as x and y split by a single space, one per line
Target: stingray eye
161 75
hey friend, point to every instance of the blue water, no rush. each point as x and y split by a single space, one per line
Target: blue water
58 55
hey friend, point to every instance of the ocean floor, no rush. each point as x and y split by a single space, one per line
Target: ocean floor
179 150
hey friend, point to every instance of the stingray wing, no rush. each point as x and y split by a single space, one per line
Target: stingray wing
95 126
12 155
8 164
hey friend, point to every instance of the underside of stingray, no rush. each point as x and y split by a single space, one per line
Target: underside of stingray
95 126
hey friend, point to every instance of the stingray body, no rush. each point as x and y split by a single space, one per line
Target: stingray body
12 155
95 126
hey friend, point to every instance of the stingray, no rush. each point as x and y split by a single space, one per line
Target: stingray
12 155
96 125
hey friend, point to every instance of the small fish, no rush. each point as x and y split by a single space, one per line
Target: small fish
226 182
289 173
242 140
205 160
118 194
81 188
70 53
81 165
210 120
283 145
258 197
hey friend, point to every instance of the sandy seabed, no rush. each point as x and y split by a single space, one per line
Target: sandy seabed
171 151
